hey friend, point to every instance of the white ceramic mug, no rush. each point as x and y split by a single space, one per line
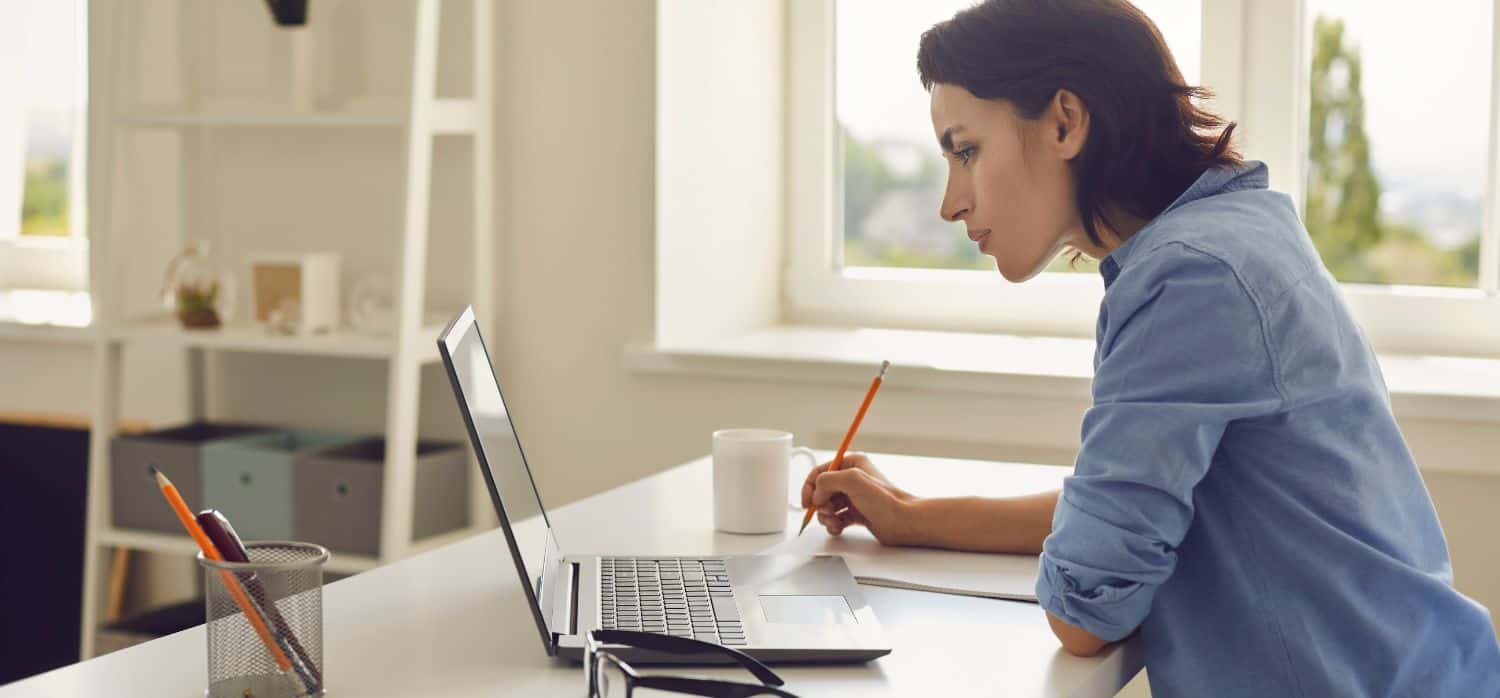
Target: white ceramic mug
754 480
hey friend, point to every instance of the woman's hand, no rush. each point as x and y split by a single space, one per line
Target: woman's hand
857 494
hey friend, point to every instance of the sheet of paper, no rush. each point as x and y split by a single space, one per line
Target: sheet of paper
997 576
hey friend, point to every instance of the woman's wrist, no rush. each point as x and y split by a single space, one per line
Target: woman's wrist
936 522
916 520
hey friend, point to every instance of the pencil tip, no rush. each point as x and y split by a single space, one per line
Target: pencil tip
154 470
883 366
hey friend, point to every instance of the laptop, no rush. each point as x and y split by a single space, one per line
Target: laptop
775 608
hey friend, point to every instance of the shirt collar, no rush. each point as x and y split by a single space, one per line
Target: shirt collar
1252 174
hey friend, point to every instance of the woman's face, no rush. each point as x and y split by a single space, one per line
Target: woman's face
1008 177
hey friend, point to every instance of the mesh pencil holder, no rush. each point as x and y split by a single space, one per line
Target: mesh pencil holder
282 588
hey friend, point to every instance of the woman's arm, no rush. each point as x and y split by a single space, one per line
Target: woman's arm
984 524
1005 525
861 495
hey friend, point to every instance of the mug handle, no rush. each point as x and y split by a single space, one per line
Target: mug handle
797 477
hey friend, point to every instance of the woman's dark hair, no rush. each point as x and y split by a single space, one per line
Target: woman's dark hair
1147 140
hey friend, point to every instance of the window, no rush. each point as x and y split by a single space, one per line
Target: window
43 255
1378 121
46 96
1398 139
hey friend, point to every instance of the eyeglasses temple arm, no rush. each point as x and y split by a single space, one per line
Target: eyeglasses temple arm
711 688
687 645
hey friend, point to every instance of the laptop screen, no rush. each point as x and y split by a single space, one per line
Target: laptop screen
498 446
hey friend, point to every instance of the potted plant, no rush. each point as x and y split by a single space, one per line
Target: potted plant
197 304
193 291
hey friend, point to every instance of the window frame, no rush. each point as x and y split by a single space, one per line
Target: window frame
1257 82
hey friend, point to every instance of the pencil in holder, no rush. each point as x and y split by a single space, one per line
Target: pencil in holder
264 621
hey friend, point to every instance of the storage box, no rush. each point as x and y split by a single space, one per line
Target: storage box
250 479
338 494
179 452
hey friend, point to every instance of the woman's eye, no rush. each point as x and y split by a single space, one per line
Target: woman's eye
964 155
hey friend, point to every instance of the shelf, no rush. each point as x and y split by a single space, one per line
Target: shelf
181 544
448 116
415 117
255 339
262 118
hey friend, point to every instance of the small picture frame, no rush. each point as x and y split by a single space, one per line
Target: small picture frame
295 293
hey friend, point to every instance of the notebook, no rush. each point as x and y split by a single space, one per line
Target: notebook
988 575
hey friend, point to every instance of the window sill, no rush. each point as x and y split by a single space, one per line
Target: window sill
46 315
1422 387
27 332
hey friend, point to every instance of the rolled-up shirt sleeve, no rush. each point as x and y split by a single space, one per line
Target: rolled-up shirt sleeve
1181 355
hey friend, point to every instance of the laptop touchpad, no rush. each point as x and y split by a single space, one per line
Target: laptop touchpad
806 610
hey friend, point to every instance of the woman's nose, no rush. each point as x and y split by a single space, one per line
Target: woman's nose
955 204
952 212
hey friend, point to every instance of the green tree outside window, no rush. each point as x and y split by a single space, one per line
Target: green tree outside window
44 202
1342 210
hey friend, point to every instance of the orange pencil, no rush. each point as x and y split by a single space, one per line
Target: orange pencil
184 515
858 416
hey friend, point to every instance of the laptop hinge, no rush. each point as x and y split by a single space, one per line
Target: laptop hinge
551 651
569 620
573 598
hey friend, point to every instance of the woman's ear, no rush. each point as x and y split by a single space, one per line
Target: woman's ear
1070 122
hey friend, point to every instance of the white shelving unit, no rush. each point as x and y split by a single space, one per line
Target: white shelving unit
422 117
249 338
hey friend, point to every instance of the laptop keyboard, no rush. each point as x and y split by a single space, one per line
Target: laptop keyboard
673 596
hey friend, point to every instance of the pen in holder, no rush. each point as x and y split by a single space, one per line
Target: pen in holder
284 584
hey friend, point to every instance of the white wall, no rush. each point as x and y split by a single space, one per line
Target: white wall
576 284
719 120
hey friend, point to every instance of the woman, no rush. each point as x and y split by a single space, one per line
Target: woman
1242 494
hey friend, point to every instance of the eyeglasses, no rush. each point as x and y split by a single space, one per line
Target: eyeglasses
611 677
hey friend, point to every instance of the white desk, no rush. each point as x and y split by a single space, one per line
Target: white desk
453 621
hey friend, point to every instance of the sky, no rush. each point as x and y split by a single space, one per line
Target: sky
1426 76
1426 85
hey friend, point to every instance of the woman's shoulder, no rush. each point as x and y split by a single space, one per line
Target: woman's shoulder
1253 235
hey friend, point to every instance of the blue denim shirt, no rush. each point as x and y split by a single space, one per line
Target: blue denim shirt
1242 493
